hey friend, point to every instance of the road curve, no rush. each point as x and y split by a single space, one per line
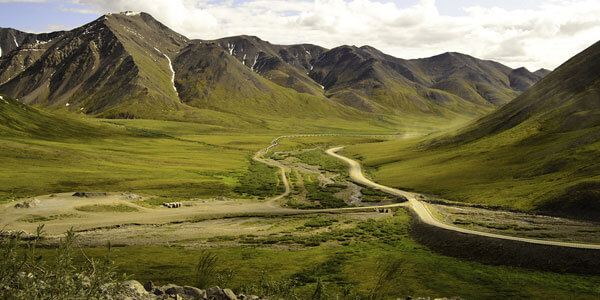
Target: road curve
259 157
425 215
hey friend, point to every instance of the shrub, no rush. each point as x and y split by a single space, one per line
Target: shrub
24 274
205 269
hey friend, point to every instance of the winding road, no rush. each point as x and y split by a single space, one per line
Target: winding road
425 215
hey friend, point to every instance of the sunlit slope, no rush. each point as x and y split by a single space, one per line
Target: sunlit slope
21 120
539 152
211 78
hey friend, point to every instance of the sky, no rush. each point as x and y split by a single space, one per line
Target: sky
531 33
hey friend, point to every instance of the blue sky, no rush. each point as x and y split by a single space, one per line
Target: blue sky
530 33
32 16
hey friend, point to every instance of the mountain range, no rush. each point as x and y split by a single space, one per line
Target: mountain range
129 65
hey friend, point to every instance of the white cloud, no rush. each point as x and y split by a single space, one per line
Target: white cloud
542 37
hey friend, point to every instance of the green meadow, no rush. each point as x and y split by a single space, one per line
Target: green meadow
177 161
514 170
347 262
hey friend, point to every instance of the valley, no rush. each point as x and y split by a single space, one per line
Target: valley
254 236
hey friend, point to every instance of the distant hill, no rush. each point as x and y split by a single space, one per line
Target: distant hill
18 119
539 152
287 66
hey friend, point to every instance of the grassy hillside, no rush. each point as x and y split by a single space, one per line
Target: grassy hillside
21 120
540 152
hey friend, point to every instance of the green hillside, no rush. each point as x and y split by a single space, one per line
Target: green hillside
21 120
540 152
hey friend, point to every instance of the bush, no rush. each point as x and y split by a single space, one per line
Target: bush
318 222
260 180
205 269
24 274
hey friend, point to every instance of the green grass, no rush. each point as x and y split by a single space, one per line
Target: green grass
41 219
319 221
324 142
158 166
319 196
106 208
260 180
373 195
354 265
325 162
510 170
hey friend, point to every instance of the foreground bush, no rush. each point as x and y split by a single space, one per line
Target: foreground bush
24 274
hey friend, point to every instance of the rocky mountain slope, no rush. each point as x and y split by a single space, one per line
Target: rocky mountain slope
367 78
287 66
129 65
118 65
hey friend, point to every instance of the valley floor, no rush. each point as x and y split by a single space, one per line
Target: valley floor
309 218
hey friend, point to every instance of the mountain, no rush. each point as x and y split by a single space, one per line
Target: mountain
371 80
566 100
27 47
560 117
209 77
540 152
287 66
542 72
129 65
116 66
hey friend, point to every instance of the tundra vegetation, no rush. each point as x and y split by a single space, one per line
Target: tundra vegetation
322 255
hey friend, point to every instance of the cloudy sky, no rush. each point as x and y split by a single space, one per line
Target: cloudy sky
530 33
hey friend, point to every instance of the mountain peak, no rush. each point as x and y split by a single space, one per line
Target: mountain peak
521 69
127 13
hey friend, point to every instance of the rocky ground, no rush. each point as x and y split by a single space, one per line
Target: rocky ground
133 290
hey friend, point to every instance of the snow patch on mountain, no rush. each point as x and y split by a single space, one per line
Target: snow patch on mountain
173 75
254 64
172 71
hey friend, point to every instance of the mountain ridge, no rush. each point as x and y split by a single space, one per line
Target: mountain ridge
124 65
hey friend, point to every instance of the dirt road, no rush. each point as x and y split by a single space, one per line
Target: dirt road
425 215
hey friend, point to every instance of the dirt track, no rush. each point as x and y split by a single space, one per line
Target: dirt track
62 209
65 206
426 216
